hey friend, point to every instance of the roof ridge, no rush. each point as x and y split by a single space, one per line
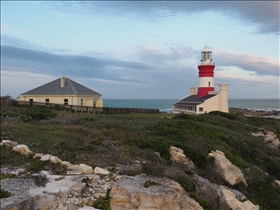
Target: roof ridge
72 86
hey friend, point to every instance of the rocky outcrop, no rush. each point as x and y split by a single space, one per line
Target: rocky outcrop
83 185
223 197
177 154
80 191
226 170
161 193
270 138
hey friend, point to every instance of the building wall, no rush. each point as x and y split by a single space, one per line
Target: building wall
72 100
211 104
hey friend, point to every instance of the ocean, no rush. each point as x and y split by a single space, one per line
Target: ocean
165 105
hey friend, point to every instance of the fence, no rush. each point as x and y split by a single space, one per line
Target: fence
84 109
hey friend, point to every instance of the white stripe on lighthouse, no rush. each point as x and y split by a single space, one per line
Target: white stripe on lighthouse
206 82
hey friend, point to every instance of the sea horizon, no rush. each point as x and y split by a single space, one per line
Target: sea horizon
165 105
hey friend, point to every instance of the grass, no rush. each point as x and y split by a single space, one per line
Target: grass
100 140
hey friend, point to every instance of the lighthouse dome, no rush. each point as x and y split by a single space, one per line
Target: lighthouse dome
206 49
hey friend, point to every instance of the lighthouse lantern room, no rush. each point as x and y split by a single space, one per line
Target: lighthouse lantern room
206 73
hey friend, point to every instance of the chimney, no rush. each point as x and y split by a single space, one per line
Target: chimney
223 97
62 81
192 90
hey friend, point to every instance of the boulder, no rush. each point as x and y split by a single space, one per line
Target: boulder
177 154
162 193
188 203
222 197
86 169
276 183
79 169
229 198
8 143
226 170
22 149
100 171
66 163
270 138
45 157
54 159
38 156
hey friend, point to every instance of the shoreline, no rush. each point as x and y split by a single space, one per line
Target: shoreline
256 113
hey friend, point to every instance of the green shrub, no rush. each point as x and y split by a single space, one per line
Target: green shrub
40 113
202 201
103 203
224 114
4 194
151 183
185 182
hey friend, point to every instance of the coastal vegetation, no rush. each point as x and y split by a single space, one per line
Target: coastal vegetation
110 140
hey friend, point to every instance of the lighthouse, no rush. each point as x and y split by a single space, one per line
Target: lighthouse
205 99
206 73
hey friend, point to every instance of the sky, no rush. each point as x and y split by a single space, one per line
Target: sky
140 49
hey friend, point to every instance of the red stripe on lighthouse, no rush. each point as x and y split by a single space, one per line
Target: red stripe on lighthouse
206 70
203 91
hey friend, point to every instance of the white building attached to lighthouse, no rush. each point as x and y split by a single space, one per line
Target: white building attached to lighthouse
205 99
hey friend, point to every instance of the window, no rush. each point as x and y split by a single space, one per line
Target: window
82 102
201 109
31 100
208 84
47 101
66 101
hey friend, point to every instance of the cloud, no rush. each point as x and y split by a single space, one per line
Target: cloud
177 54
5 29
264 15
259 65
14 58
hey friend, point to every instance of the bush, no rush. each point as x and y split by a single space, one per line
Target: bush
224 114
103 203
4 194
39 114
185 182
202 201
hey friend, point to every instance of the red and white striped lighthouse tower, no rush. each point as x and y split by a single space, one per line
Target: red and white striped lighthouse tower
206 73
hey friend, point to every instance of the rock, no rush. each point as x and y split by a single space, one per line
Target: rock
8 143
22 149
276 183
177 154
87 208
79 169
187 203
66 163
230 198
38 155
129 193
54 159
78 186
45 157
221 196
269 138
100 171
86 169
226 170
19 198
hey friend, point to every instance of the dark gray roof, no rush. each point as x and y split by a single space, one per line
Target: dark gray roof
192 100
53 88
